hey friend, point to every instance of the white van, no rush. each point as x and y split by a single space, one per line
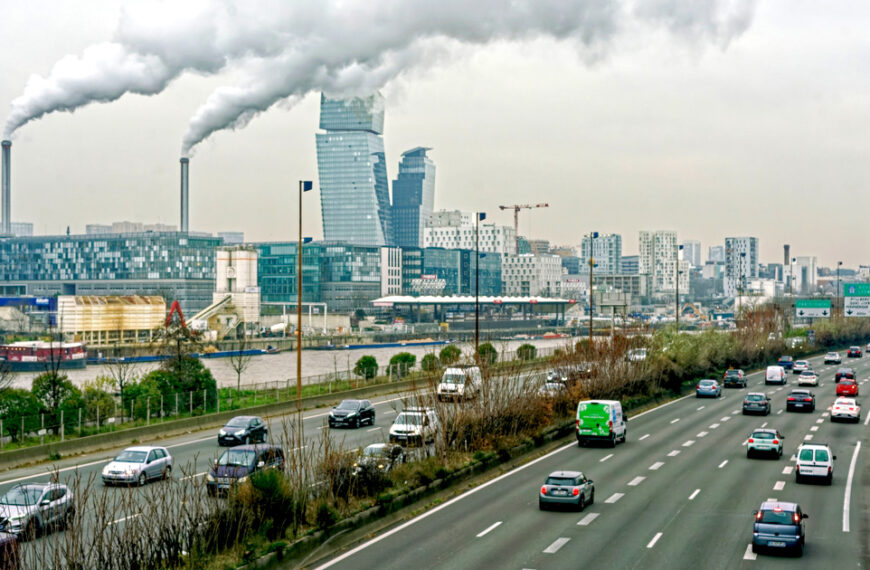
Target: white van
601 420
775 375
459 383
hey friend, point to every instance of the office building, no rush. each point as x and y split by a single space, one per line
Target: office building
606 250
232 238
716 253
354 192
456 230
741 263
628 264
691 252
532 275
413 197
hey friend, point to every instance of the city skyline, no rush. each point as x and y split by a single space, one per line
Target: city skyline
504 120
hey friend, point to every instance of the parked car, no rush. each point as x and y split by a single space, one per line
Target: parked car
833 358
352 413
800 366
765 441
847 388
28 509
775 375
779 526
846 409
236 465
379 456
10 552
243 429
814 461
414 426
137 466
802 400
756 403
734 377
808 378
854 352
708 389
844 373
566 488
786 362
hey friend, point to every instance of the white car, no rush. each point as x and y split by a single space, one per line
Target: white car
138 465
833 358
414 426
814 461
808 378
846 409
800 366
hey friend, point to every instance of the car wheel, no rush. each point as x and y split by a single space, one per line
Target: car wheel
612 439
356 424
748 454
541 505
167 473
579 442
372 420
767 413
797 477
31 531
755 548
829 480
799 550
591 497
142 479
581 504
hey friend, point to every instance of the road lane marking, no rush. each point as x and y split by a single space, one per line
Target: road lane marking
867 420
643 437
787 470
605 458
200 440
702 433
654 540
825 414
820 421
779 486
808 437
689 443
764 425
674 453
701 408
321 427
588 519
772 500
126 518
723 464
486 531
695 494
554 548
614 497
725 419
714 426
655 466
675 420
749 555
636 481
735 412
847 496
814 428
51 472
374 428
745 441
779 412
195 475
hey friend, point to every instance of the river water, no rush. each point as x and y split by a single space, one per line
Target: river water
281 367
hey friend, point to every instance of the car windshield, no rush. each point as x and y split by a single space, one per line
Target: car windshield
785 358
707 383
236 458
776 517
453 379
563 481
348 405
410 418
844 402
802 363
808 373
128 456
732 373
375 451
832 354
755 397
762 435
22 496
238 423
821 455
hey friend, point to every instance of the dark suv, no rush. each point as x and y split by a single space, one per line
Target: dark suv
243 429
779 526
844 372
734 377
236 465
756 403
786 362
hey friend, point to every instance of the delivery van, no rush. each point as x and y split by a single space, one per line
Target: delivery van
600 420
775 375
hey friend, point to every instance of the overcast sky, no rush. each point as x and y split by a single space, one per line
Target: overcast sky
759 132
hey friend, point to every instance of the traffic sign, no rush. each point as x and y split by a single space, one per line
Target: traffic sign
856 289
812 308
856 306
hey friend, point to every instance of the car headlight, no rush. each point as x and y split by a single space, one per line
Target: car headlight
17 518
350 415
380 466
209 478
222 432
243 479
240 432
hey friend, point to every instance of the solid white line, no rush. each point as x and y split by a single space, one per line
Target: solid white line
764 425
489 528
867 420
125 518
636 481
643 437
674 453
554 548
787 470
654 540
614 497
847 497
193 476
688 443
779 486
588 519
655 466
605 458
52 472
702 433
749 555
723 464
675 420
374 428
695 494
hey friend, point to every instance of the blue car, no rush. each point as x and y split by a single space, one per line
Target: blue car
708 389
779 526
786 362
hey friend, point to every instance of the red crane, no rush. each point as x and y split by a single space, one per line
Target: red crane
516 208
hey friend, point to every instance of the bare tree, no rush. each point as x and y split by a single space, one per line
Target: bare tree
240 359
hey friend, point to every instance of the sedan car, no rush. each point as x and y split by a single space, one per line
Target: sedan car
708 388
243 429
847 388
734 377
30 508
808 378
844 373
779 526
802 400
138 465
800 366
765 441
846 409
380 457
352 413
833 358
756 403
854 352
567 488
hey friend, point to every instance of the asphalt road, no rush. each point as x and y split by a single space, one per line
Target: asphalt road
679 494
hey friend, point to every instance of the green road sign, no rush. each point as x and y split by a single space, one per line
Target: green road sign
813 304
856 289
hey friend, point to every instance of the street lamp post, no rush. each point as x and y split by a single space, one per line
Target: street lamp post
677 285
742 275
591 238
304 186
479 218
839 264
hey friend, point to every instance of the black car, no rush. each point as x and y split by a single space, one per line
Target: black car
379 457
243 429
734 377
236 465
802 400
844 372
786 362
756 403
352 413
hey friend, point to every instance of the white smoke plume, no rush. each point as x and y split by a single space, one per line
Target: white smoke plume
344 47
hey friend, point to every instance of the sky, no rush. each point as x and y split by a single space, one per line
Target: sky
711 118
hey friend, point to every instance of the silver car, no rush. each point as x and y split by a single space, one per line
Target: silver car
709 388
138 465
30 508
571 488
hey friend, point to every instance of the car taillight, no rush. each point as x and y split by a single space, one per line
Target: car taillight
790 399
751 440
578 424
797 518
808 399
829 469
610 424
698 387
776 442
544 490
576 491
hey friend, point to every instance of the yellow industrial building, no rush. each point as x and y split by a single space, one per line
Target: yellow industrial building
105 320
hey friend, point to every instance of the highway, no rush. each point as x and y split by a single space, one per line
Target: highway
679 494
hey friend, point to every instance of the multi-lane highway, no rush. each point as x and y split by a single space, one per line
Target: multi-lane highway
679 494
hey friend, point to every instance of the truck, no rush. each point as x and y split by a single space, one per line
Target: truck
459 383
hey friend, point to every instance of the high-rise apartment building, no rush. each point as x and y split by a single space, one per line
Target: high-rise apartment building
716 253
691 252
741 263
413 197
606 250
456 230
354 190
658 258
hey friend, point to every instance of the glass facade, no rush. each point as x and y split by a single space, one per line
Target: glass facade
413 197
354 189
456 268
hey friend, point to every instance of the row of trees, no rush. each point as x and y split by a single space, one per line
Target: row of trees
401 363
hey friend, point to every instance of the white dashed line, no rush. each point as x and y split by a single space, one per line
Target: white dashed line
808 437
725 419
814 428
825 414
818 421
675 420
772 500
674 453
749 555
374 428
614 497
701 408
641 438
636 481
787 470
588 519
779 412
732 413
723 464
689 443
745 441
656 466
204 472
554 548
779 486
486 531
602 460
126 518
702 433
654 540
714 426
695 494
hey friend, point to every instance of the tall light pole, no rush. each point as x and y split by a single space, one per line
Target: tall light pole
742 275
477 219
591 237
677 285
304 186
839 264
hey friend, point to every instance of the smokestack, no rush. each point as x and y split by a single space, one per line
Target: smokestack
185 204
7 188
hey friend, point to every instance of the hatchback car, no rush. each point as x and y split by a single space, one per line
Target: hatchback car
566 488
779 526
802 400
243 429
236 465
814 461
28 509
844 372
808 378
845 409
800 366
854 352
847 388
833 358
381 457
734 377
764 441
756 403
138 465
708 388
352 413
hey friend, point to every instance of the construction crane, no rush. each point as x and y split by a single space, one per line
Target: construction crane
516 208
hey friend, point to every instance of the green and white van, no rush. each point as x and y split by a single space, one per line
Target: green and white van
600 420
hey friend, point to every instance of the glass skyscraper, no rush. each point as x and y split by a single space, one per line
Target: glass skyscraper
413 197
354 189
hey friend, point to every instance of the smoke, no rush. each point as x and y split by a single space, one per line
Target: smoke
286 50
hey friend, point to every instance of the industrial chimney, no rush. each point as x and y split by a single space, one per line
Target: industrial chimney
7 188
185 204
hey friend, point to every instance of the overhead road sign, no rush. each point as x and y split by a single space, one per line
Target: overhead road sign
856 299
812 308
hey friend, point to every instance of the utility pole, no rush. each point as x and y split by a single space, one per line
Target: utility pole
304 186
591 237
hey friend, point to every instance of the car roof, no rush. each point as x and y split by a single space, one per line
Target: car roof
801 391
708 380
756 394
764 430
849 401
782 505
254 447
565 474
241 418
814 445
142 448
376 446
808 371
